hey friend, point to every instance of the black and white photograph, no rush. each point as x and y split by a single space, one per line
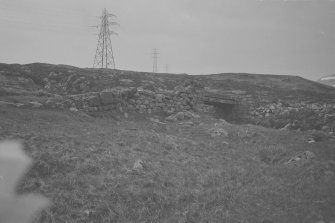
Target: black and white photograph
167 111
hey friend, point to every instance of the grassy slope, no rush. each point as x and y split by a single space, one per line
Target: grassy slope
85 166
273 86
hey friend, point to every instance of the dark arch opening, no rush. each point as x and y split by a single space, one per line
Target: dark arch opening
224 111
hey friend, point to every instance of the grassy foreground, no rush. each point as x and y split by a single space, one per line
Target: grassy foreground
108 169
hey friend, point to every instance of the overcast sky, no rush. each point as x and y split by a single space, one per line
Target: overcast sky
193 36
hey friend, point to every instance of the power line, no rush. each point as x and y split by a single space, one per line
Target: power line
155 64
104 57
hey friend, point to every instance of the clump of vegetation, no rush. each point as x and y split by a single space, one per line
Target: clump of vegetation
272 155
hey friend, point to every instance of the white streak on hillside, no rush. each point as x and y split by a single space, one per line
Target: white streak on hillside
328 78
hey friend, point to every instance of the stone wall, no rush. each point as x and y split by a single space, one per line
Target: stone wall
295 115
133 99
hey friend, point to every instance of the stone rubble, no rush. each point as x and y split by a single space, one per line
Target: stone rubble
220 129
181 101
302 116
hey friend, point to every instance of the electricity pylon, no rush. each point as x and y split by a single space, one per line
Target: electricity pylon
104 57
154 67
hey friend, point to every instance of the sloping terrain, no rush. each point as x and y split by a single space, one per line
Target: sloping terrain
204 170
63 79
105 166
275 101
274 86
328 80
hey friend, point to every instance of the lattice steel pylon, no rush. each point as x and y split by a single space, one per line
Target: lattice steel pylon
104 57
155 65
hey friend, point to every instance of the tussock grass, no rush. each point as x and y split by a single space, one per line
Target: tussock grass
272 155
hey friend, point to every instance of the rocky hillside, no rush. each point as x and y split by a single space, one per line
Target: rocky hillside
271 100
123 146
64 80
329 80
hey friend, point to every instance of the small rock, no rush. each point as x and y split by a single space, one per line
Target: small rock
287 126
310 140
19 105
73 109
218 132
180 116
191 115
155 120
175 117
138 165
35 104
171 118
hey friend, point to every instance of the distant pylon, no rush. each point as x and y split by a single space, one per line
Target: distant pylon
154 68
104 57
